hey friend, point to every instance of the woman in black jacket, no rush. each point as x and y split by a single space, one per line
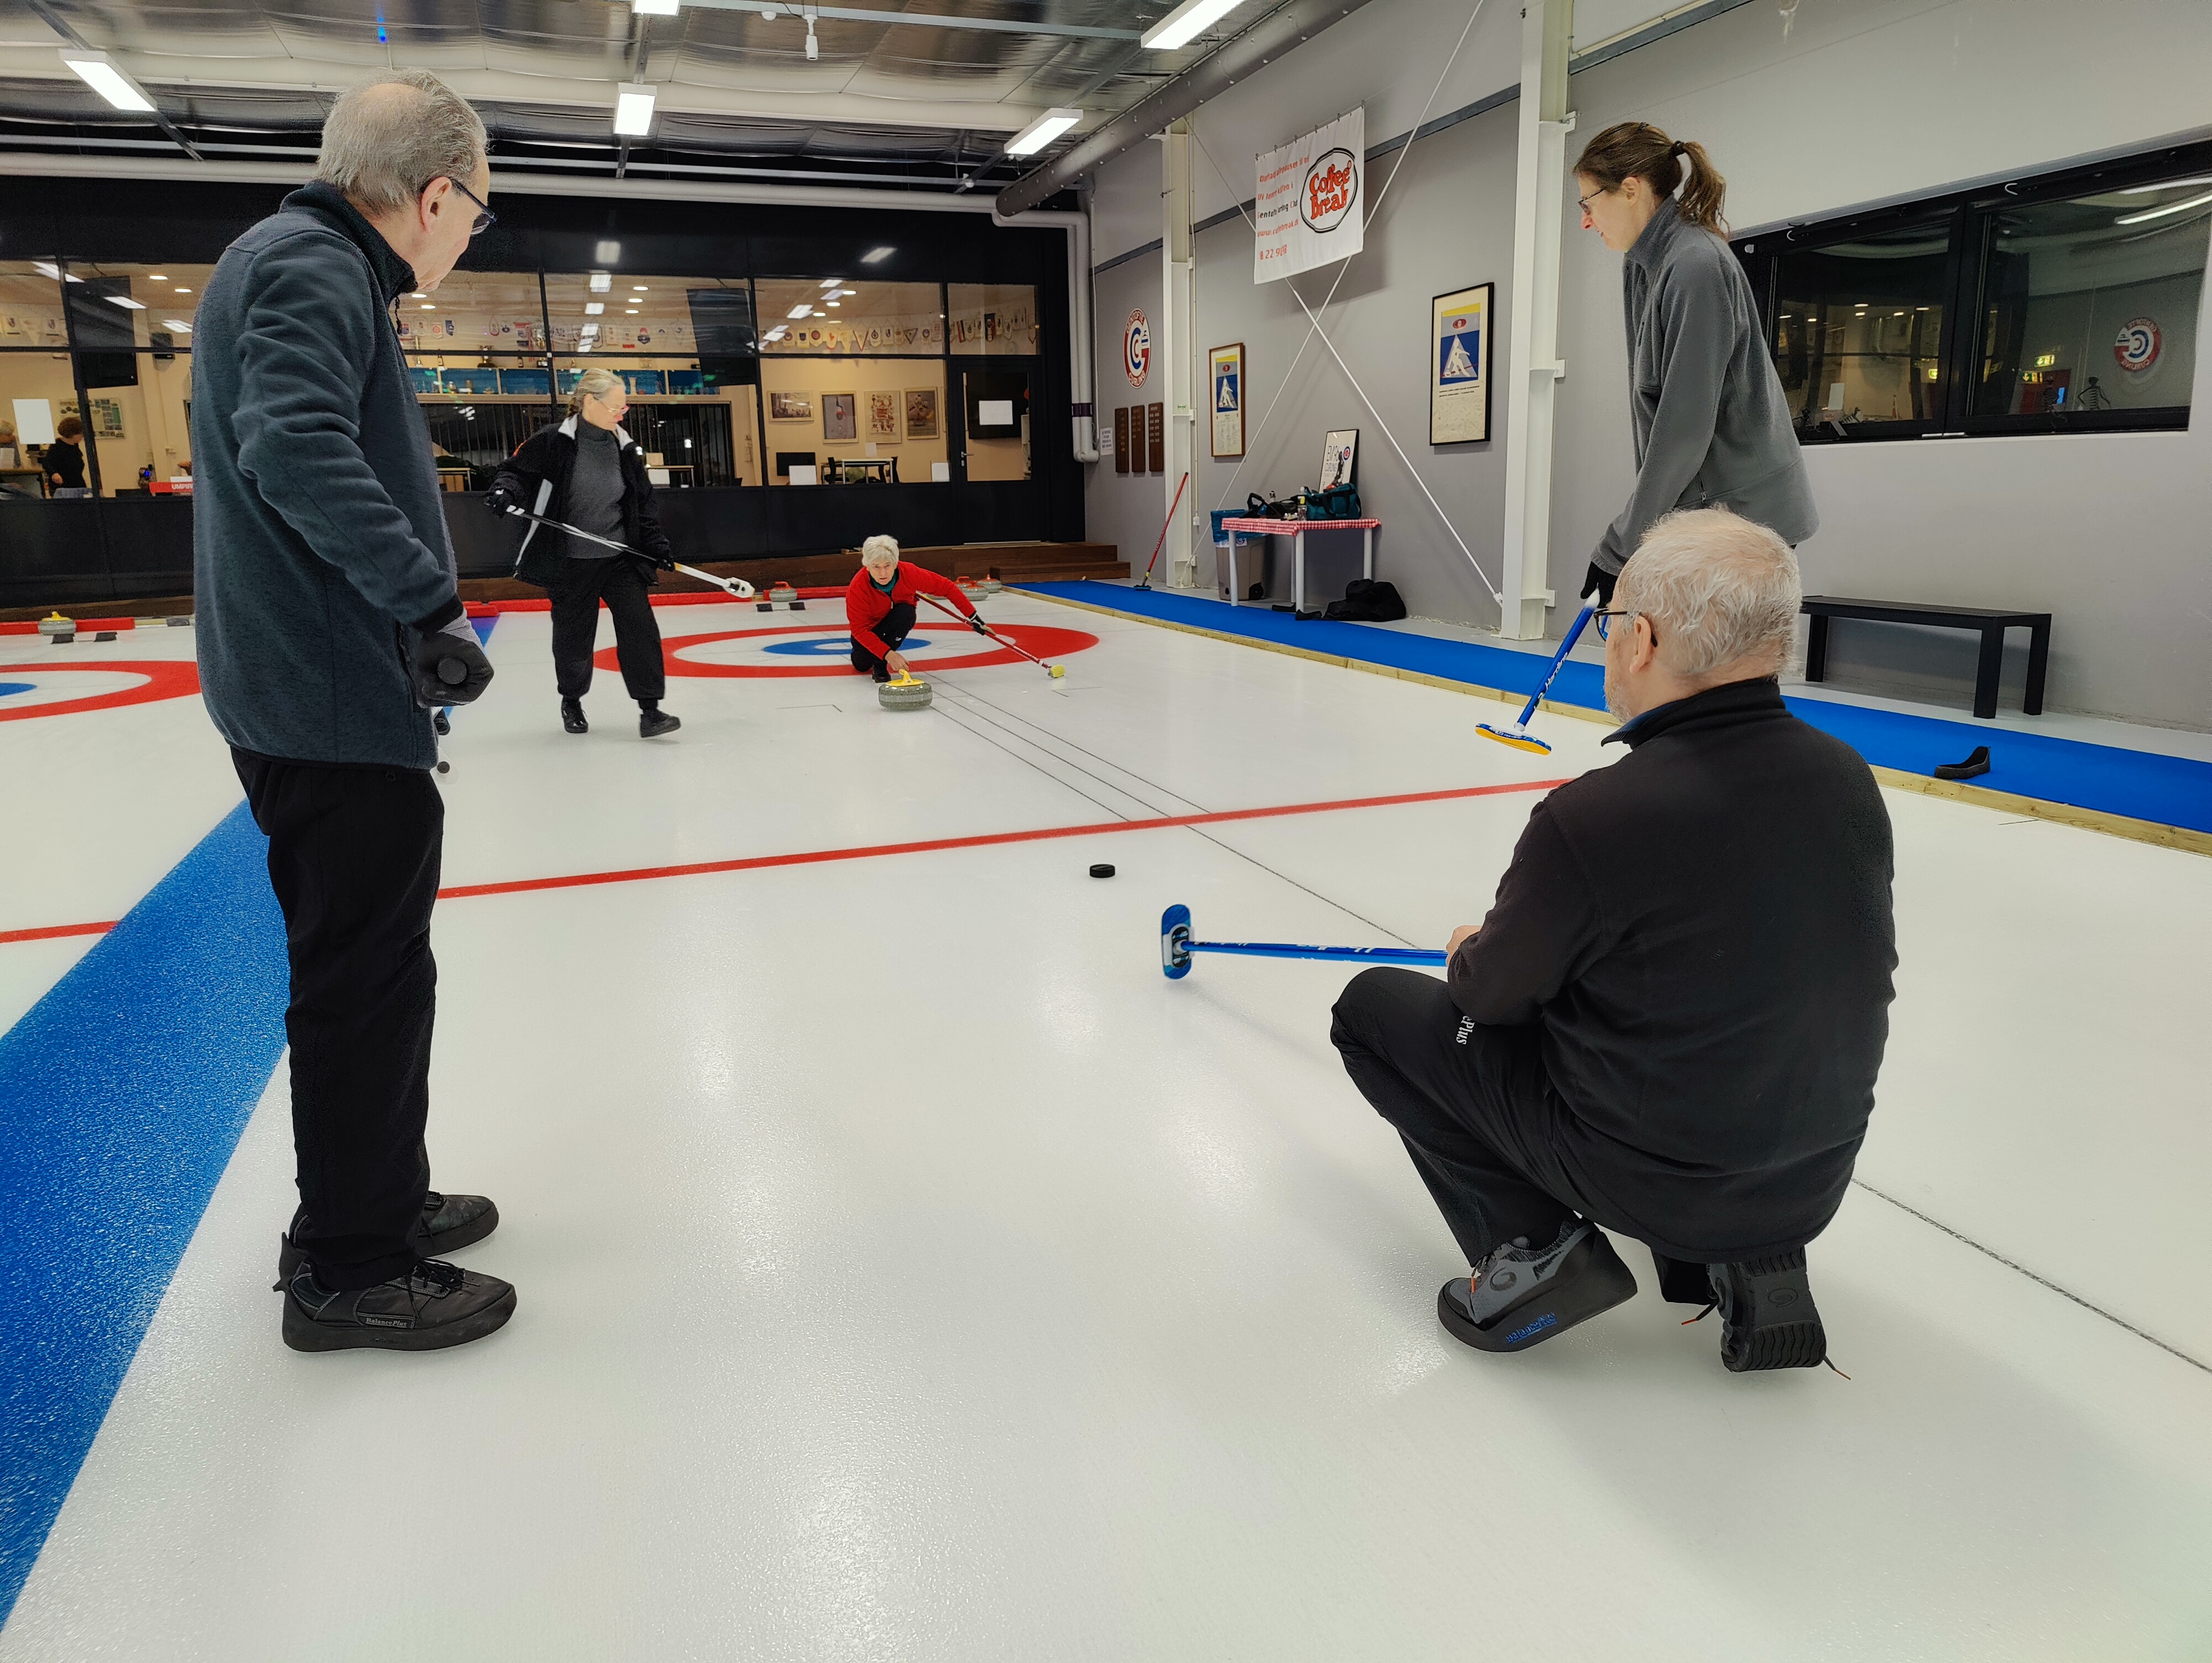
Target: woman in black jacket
64 459
589 473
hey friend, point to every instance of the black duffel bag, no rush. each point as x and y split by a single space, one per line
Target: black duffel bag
1367 600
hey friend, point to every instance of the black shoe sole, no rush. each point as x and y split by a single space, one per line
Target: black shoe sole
446 1243
1767 1316
1591 1281
303 1333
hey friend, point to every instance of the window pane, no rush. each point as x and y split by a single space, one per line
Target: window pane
703 433
479 406
709 318
122 307
870 417
1858 327
993 320
474 312
2091 303
36 391
850 316
997 409
31 305
139 426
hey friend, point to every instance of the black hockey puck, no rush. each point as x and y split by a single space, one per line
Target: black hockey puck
1101 870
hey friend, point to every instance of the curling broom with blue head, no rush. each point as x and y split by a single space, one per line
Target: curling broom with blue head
1518 736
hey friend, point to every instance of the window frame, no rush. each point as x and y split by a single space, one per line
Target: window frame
1966 292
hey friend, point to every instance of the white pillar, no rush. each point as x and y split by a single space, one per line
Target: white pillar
1535 369
1177 350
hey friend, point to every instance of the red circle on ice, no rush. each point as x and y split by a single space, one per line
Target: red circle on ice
165 679
1046 640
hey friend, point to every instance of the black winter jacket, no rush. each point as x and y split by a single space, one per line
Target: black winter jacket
1703 932
536 476
318 526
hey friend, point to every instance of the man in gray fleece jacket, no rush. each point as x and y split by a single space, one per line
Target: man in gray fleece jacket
329 625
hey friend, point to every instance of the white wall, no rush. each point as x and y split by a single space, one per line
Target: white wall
1859 100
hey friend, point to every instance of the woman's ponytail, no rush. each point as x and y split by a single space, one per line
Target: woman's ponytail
1636 150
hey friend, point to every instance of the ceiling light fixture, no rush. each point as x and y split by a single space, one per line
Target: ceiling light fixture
184 291
177 323
602 280
593 308
653 7
633 112
813 46
126 302
836 303
630 312
607 252
637 289
157 277
54 272
98 72
2160 213
802 310
1042 131
876 256
1185 23
426 306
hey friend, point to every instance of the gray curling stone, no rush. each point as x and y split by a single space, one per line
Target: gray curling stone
904 696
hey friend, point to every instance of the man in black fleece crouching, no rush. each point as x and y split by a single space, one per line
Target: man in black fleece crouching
1670 1023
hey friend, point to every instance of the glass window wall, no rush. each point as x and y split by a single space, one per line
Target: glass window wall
848 316
994 320
856 420
1858 327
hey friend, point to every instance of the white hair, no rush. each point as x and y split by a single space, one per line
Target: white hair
879 547
594 383
382 147
1717 588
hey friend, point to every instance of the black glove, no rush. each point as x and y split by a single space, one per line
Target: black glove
499 500
1599 583
976 623
447 666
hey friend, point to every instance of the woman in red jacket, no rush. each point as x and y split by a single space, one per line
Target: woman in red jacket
879 605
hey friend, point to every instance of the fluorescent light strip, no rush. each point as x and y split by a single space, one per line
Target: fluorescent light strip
1045 128
177 323
126 302
1186 23
653 7
633 112
94 69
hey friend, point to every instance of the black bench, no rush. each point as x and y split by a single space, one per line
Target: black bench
1992 626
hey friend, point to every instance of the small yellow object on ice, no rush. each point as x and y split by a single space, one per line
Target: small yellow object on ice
1059 670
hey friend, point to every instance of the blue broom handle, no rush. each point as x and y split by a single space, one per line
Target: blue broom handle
1284 949
1574 634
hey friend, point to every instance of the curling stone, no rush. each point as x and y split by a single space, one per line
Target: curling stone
990 586
906 693
56 628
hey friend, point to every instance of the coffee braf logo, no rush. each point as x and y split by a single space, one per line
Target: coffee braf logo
1137 349
1332 185
2139 345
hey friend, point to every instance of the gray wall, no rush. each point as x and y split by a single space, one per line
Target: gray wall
1855 101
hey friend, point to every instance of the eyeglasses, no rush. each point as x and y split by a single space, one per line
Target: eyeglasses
1605 629
1583 203
485 219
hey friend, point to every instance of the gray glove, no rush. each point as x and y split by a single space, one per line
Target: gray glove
448 666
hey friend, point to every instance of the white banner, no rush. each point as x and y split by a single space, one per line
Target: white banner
1311 207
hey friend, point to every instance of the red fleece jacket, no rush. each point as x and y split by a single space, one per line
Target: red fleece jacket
866 606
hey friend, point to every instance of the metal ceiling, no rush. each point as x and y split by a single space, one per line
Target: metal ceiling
921 95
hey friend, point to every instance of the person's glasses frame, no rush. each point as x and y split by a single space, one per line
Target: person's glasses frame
485 218
1583 203
1601 616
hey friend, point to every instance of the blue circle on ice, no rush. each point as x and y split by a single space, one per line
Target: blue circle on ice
7 688
834 646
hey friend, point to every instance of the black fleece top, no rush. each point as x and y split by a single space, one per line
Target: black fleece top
1703 933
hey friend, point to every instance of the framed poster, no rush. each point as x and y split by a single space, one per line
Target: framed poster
106 418
922 412
1121 439
1459 365
840 416
789 407
1225 367
1340 458
884 416
1156 436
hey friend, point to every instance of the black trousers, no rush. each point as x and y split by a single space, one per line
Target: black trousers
577 592
354 856
898 625
1472 1103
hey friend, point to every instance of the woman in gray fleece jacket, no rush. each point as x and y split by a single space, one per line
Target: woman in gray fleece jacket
1712 430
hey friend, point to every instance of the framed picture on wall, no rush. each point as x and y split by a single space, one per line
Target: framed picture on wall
921 413
1225 373
791 407
1459 365
884 416
840 416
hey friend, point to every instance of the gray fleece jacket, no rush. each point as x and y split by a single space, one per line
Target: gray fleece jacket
318 529
1712 429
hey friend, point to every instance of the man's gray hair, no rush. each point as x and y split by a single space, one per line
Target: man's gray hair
388 138
1718 588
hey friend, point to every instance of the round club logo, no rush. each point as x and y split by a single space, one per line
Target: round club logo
2139 345
1137 349
1332 185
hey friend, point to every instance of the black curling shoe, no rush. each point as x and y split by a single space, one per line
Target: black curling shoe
1521 1295
572 716
433 1306
1767 1316
448 1223
651 724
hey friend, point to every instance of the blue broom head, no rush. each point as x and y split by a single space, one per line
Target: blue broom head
1519 738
